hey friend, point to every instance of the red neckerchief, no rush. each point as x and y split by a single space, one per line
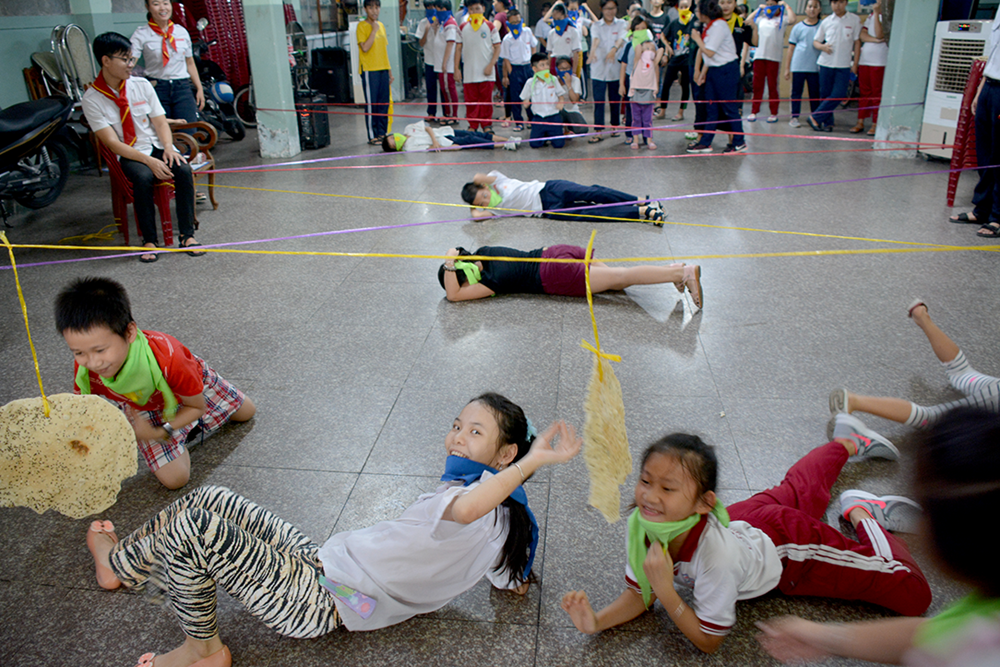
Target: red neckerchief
168 38
121 101
704 31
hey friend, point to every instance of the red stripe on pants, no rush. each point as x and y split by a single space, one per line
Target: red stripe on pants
870 89
449 94
479 115
818 559
765 71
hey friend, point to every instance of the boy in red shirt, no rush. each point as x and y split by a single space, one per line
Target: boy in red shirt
164 390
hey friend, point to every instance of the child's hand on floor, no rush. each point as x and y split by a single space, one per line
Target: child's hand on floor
792 639
576 604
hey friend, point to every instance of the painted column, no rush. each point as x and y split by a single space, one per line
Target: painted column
389 17
277 131
94 16
910 43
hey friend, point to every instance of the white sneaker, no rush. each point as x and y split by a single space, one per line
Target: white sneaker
752 118
794 122
895 513
772 119
510 146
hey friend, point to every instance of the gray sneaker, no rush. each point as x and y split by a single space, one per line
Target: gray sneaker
871 445
895 513
838 401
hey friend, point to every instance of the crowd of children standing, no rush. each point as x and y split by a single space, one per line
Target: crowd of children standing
713 49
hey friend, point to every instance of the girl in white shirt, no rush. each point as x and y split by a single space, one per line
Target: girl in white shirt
680 533
719 78
871 69
839 39
166 52
768 22
476 524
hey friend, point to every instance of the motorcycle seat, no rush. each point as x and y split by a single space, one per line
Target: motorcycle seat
19 119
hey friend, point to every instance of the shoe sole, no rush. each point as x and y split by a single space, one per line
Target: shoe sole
838 402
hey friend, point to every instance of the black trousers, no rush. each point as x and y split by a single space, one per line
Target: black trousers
143 182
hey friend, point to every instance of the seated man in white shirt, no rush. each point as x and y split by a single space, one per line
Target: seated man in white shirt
420 137
125 114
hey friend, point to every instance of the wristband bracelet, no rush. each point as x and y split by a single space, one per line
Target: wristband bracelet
677 612
518 466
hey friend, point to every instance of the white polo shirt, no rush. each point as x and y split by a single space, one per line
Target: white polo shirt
518 51
770 36
450 35
519 195
543 96
477 50
431 55
873 54
565 44
101 112
992 69
719 40
608 34
149 45
840 32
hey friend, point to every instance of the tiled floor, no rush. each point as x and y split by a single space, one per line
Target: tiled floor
358 365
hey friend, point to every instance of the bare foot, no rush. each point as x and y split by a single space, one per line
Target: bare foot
576 604
193 650
100 541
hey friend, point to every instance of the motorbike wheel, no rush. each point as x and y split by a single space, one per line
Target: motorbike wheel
57 169
234 128
246 110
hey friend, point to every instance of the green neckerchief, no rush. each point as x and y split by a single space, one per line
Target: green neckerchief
472 272
400 140
495 198
640 529
544 76
139 378
640 36
937 631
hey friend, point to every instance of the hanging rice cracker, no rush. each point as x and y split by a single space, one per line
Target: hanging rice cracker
73 461
605 443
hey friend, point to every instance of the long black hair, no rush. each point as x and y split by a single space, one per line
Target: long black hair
958 487
513 427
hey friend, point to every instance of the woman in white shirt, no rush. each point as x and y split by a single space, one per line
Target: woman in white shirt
871 69
719 78
166 52
839 39
768 22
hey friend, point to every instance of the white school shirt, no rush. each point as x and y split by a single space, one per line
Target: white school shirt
542 29
723 565
609 34
840 32
992 69
101 112
450 35
719 39
576 87
477 50
440 43
873 54
543 96
417 138
417 563
149 45
770 39
564 44
431 55
581 23
519 195
518 51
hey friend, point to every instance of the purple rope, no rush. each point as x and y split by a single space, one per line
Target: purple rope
503 215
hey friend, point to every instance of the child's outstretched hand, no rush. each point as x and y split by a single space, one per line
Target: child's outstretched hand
791 639
557 444
576 604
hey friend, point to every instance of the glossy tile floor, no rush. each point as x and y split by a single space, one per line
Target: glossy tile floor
358 365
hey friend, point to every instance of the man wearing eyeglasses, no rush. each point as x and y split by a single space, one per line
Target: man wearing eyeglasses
125 114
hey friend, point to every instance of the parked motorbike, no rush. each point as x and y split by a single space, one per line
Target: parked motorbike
34 165
220 108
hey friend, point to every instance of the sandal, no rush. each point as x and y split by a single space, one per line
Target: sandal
678 117
692 280
914 306
149 257
593 140
193 244
105 577
991 230
375 141
964 218
616 133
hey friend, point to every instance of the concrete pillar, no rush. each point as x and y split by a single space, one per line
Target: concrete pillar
909 64
389 17
277 131
94 16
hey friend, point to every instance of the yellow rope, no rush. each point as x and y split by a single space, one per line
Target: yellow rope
98 235
593 319
24 311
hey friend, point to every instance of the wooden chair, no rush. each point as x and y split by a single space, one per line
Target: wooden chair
201 140
121 197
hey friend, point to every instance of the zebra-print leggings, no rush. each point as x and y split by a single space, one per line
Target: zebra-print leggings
981 391
214 535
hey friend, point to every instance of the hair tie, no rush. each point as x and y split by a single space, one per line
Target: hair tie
530 432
